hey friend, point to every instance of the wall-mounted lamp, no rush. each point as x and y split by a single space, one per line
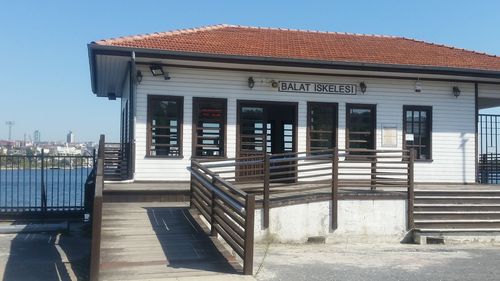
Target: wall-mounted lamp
138 77
251 82
111 96
456 91
274 83
362 87
157 70
418 86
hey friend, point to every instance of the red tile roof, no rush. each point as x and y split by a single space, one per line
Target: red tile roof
231 40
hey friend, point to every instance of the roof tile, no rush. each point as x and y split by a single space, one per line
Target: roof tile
281 43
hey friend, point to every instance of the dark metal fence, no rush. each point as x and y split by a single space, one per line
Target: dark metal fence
36 185
488 162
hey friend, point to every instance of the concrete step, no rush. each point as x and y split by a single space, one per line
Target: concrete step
446 215
457 199
430 207
458 224
457 192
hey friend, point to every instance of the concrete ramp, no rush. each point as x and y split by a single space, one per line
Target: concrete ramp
159 241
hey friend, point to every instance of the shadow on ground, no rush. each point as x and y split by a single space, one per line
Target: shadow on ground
185 244
45 256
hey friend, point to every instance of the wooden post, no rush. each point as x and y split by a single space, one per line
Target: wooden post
213 231
335 187
249 234
411 191
267 177
373 172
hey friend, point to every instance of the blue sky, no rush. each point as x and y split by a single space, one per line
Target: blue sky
45 74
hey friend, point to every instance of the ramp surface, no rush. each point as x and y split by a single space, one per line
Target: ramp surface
159 241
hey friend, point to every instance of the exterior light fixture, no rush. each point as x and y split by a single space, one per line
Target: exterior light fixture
456 91
418 86
138 76
274 84
362 87
251 82
156 70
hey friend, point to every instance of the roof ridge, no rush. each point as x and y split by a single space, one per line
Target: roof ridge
315 31
163 33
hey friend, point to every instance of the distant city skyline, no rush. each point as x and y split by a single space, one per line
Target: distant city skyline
46 83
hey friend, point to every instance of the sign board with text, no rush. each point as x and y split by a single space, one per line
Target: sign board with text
317 88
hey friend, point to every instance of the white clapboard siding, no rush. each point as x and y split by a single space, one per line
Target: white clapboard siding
453 137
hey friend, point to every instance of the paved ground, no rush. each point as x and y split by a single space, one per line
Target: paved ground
43 256
351 262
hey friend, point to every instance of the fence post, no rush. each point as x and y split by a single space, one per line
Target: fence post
191 178
267 177
411 191
335 187
213 231
373 172
43 192
249 234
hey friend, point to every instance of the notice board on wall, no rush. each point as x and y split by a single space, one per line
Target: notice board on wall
389 135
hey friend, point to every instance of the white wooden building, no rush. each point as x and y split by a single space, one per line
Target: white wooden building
300 90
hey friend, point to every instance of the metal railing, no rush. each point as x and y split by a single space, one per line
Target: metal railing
229 211
117 161
38 185
302 173
488 168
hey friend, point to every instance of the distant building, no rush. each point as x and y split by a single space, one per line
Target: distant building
70 137
37 138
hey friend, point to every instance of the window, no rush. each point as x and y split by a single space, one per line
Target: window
417 130
164 126
322 126
209 122
360 125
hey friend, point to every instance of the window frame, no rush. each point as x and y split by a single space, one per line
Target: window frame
180 124
335 131
429 109
350 106
196 102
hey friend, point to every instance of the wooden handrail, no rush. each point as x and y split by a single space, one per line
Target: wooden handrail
265 174
232 219
95 252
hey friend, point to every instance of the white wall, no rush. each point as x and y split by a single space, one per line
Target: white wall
453 138
363 220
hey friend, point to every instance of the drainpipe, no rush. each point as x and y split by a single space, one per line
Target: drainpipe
132 114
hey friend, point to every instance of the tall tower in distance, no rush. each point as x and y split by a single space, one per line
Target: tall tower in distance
10 124
70 137
37 138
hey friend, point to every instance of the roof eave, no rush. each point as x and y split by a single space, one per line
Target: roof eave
165 54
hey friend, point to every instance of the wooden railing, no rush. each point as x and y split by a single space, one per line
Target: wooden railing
301 173
229 211
96 214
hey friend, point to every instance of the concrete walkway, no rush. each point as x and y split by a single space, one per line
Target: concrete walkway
385 262
159 241
45 256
